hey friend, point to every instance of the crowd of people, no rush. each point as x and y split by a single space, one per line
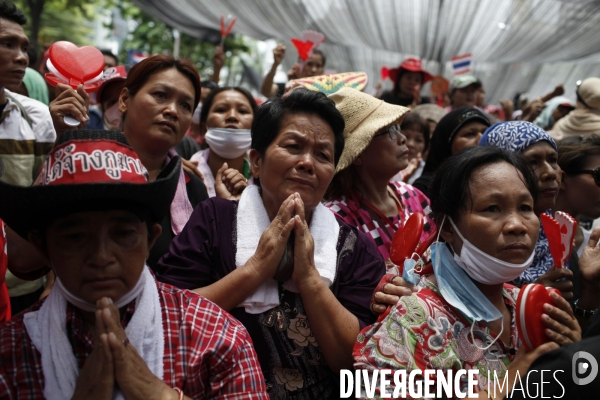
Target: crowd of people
185 242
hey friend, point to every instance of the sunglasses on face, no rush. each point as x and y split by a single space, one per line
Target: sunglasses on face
392 130
594 172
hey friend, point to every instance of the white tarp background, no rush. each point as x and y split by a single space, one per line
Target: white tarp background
517 45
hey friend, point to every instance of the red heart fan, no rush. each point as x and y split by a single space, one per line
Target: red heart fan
75 66
552 231
560 233
568 229
385 73
406 239
530 303
304 48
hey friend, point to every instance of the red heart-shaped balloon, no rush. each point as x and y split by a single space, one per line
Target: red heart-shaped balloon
406 239
530 303
78 64
304 48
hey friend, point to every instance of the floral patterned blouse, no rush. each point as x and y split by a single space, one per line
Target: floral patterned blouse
412 200
423 331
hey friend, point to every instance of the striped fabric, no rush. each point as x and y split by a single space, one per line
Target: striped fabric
23 147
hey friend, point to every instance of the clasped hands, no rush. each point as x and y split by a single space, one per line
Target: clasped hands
272 243
115 362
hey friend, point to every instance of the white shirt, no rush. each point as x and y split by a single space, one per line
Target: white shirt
23 147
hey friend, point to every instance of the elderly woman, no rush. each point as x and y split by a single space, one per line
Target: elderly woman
579 195
227 114
361 192
108 329
298 279
459 129
539 149
463 316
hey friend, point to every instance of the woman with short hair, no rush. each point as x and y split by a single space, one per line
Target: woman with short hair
463 316
278 260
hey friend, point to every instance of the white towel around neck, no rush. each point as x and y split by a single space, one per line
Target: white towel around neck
252 220
47 329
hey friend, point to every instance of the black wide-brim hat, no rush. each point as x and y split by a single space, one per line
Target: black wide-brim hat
89 170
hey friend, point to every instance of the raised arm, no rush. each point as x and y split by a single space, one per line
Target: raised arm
267 86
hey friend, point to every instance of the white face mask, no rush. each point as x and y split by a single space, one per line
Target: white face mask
484 268
86 306
228 143
113 117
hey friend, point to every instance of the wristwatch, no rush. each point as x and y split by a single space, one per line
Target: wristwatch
582 312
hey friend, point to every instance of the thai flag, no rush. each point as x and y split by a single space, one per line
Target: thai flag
134 57
461 64
137 57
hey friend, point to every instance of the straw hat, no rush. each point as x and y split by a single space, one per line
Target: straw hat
364 115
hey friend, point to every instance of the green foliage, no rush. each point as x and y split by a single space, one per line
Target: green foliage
155 37
60 19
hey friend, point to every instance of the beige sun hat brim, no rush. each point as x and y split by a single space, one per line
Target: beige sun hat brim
364 116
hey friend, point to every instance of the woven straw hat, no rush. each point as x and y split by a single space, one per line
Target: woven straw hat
364 116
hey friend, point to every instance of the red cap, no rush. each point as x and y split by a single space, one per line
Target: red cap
110 75
412 65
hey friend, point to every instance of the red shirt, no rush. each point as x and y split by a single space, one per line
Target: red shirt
208 353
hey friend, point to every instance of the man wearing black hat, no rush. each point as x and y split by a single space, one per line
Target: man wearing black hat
108 329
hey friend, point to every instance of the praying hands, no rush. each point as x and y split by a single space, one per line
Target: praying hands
114 362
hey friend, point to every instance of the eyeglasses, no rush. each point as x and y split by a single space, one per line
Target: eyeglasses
392 130
595 173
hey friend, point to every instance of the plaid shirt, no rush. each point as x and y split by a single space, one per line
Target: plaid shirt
208 353
412 199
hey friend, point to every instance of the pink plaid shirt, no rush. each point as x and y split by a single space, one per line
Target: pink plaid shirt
412 199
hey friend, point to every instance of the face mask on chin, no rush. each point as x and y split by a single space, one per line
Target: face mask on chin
484 268
454 276
228 143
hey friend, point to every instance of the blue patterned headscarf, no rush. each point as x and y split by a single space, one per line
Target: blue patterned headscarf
517 136
514 136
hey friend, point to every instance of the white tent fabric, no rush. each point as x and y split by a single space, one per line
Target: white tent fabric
517 45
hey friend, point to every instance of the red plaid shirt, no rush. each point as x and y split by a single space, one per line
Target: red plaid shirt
208 353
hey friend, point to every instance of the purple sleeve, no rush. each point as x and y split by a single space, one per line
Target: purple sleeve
203 252
360 270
